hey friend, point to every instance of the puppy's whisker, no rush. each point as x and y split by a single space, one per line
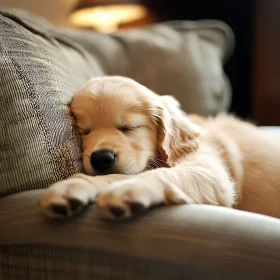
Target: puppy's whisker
160 160
158 163
153 164
149 167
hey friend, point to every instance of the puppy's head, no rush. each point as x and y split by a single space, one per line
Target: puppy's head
126 128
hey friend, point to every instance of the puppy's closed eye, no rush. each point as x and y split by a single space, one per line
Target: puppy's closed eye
128 128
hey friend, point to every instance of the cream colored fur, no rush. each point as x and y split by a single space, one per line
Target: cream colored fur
165 157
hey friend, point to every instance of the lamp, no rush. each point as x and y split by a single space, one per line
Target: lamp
106 15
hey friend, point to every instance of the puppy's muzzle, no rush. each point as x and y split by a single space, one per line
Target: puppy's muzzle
103 160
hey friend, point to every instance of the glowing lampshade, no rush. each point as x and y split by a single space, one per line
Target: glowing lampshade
106 16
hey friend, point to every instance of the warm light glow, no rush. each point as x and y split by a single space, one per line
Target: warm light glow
107 18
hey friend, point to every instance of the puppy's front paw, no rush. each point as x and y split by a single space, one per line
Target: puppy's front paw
68 197
129 197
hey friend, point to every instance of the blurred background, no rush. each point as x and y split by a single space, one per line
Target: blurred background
254 69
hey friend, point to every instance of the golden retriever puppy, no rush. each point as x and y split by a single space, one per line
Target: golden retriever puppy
140 150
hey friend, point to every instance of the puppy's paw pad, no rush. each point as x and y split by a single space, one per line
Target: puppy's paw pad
118 212
136 207
76 204
67 198
60 210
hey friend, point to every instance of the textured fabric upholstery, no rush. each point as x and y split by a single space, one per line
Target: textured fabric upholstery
42 67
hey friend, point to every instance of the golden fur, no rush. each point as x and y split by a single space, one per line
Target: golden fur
164 156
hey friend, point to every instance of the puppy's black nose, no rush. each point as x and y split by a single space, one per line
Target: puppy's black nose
102 160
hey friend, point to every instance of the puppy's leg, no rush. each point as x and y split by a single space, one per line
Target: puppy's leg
199 180
67 197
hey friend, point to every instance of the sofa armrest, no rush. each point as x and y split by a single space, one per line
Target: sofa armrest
181 239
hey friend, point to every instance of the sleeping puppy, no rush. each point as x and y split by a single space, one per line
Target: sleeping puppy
140 150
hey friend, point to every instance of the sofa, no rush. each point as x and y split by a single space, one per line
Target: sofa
41 69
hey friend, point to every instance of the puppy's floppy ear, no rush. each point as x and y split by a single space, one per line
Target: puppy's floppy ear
177 136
